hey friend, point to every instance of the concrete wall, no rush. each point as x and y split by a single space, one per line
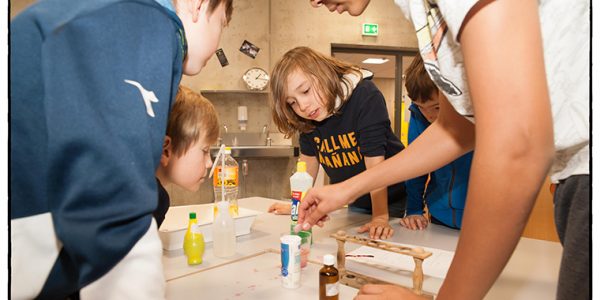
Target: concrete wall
276 26
250 21
16 6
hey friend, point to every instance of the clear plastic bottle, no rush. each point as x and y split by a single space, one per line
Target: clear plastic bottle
196 246
188 234
223 231
300 182
226 182
328 279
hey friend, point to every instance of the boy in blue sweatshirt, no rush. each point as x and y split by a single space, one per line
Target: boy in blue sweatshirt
446 191
92 83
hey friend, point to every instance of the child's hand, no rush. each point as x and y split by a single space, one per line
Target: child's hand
414 222
281 208
378 228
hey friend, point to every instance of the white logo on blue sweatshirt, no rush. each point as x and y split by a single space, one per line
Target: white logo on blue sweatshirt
148 96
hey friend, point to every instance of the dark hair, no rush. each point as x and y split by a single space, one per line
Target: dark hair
418 84
326 75
213 4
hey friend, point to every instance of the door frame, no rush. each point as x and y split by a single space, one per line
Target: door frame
398 52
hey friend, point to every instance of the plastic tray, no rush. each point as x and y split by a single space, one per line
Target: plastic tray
173 228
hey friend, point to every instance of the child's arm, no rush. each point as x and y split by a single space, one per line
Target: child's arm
452 135
379 227
415 188
503 56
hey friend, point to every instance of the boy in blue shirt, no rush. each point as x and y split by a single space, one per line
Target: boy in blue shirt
446 191
92 83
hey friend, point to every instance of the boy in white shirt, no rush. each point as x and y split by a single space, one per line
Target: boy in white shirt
526 102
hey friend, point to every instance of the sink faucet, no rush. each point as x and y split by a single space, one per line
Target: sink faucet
244 167
265 131
225 127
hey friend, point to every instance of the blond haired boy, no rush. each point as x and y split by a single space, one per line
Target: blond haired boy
193 126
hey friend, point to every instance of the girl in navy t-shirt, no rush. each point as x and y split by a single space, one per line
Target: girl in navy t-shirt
343 124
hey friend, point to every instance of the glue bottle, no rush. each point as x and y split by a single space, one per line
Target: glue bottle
300 182
196 246
328 279
188 234
223 231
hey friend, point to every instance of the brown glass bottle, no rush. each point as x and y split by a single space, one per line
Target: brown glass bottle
328 279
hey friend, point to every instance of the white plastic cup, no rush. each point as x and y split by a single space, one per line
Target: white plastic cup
290 261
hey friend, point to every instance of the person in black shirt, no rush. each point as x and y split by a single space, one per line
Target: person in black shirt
343 123
192 127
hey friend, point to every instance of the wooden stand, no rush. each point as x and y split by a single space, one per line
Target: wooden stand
356 280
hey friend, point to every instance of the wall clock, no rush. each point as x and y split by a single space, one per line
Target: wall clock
256 79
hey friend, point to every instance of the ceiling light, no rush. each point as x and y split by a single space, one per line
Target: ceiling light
375 61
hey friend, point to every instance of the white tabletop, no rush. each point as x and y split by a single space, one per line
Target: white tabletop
531 273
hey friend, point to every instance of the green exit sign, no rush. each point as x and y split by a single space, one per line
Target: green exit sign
370 29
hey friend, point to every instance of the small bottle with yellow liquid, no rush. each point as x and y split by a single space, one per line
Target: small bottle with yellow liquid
188 234
196 246
225 182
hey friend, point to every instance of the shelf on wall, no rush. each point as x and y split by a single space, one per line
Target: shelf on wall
233 92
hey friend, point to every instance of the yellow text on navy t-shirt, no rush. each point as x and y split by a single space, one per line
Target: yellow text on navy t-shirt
339 151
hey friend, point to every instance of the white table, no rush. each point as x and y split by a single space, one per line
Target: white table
252 273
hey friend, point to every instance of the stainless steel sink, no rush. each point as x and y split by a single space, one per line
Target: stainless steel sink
255 144
244 139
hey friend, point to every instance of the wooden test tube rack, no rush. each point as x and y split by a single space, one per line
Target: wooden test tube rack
357 280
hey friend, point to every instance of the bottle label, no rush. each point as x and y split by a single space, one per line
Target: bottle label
331 289
294 211
296 198
297 195
285 259
290 264
230 176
